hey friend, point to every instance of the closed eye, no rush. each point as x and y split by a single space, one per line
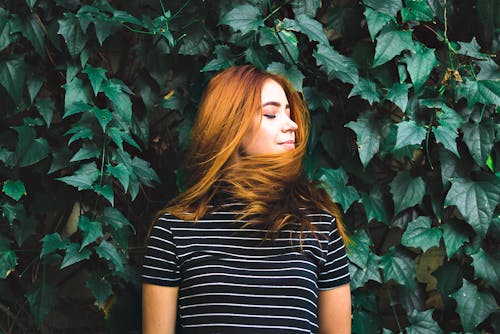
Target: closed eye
270 116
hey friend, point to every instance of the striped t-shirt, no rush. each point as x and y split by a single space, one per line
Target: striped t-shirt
232 281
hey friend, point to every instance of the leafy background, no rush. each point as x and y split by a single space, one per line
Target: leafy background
98 98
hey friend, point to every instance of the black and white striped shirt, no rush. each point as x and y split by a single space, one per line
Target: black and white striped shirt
232 281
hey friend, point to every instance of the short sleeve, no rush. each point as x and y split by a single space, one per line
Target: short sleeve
335 271
161 264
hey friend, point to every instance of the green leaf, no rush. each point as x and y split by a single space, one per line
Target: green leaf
476 201
256 56
52 242
367 90
12 77
293 74
422 323
308 26
364 264
100 288
13 212
454 237
420 234
487 267
14 189
489 70
368 132
471 49
335 182
46 108
449 278
480 139
34 33
244 18
104 29
398 94
104 116
74 255
96 76
142 169
87 151
30 150
91 230
316 99
222 60
105 191
448 138
376 21
8 259
483 91
391 44
79 132
196 42
417 10
75 99
409 133
83 178
114 218
407 191
398 267
420 65
108 251
374 206
70 29
121 173
4 29
473 306
388 7
34 83
42 297
336 65
115 90
307 7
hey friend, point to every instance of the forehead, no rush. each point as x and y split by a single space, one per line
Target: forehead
272 91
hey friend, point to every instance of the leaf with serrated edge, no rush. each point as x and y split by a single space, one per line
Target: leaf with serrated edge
310 27
308 7
33 32
92 230
420 66
52 242
480 139
407 191
417 10
70 29
374 206
108 251
105 191
83 178
398 267
422 323
398 94
453 238
473 306
100 288
420 234
368 133
121 173
376 21
74 255
409 133
14 189
293 74
336 65
244 18
482 91
448 138
367 90
391 44
30 150
104 116
487 267
335 181
42 297
96 76
12 77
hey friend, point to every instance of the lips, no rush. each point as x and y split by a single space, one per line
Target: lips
288 144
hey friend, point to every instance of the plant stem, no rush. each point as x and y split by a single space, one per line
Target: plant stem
393 309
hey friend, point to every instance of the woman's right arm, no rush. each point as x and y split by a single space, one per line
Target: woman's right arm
159 309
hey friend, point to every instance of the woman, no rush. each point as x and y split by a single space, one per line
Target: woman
252 246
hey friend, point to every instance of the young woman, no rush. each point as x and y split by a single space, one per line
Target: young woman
252 246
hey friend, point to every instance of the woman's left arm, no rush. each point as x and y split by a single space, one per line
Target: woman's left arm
334 310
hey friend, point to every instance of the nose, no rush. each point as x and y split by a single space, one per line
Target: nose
290 125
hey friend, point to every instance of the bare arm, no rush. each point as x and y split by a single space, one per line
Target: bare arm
334 310
159 309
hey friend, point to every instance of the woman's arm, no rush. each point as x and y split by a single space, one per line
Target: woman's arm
334 310
159 309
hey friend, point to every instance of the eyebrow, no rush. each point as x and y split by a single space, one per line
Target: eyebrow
274 103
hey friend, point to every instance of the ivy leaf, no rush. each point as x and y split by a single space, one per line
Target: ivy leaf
70 29
487 267
101 288
398 267
115 90
142 169
121 173
480 139
388 7
12 77
105 191
398 94
335 181
13 212
91 230
482 91
374 206
96 76
407 191
8 259
4 29
420 234
420 65
409 133
75 99
79 132
448 138
422 323
114 218
368 133
316 99
75 255
336 65
364 263
449 278
284 42
471 49
454 237
489 70
34 33
376 21
196 42
293 74
473 306
42 297
46 108
256 56
307 7
85 152
52 242
367 90
476 201
391 44
104 116
222 60
244 18
108 251
417 10
83 178
308 26
14 189
30 150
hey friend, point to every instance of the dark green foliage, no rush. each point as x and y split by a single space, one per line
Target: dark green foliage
98 98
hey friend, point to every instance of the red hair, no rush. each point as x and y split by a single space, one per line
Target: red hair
273 186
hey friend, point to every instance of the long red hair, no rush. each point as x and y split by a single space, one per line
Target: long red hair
273 186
